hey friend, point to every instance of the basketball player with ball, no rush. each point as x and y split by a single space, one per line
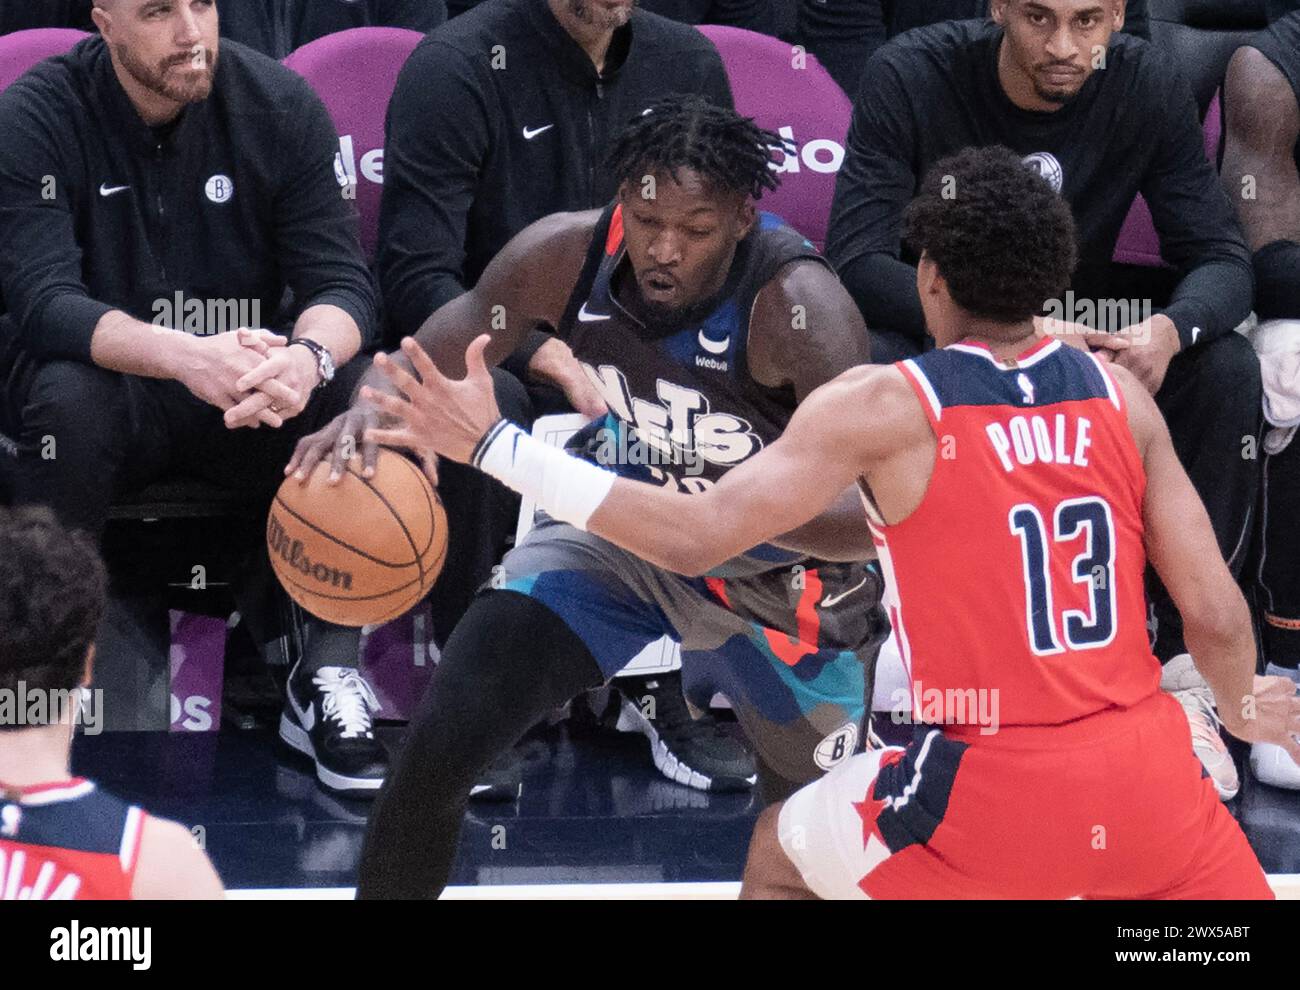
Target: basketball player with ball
1016 488
703 324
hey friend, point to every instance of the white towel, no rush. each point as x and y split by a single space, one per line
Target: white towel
1277 342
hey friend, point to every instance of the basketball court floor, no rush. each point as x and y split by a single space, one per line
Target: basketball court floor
595 819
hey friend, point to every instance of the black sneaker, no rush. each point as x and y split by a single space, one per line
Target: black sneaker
502 781
327 717
697 752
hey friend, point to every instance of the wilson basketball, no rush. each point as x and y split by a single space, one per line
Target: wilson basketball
362 551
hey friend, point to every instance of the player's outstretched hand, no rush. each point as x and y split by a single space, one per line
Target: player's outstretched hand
341 439
1270 714
434 412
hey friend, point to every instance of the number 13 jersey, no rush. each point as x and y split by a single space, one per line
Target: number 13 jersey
1021 571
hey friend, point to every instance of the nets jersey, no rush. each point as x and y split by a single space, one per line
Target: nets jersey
1022 569
68 841
683 406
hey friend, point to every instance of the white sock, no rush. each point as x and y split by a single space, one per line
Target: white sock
1273 670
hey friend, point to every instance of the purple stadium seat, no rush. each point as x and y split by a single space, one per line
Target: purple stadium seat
805 104
198 658
21 50
354 73
1138 242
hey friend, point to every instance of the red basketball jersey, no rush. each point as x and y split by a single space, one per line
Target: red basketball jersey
68 841
1016 587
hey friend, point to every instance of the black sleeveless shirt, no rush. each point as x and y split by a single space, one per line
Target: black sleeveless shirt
683 405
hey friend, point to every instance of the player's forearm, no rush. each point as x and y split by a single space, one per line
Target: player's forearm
122 343
1220 640
447 333
838 534
333 329
682 533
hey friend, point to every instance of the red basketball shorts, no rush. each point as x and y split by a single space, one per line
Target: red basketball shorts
1112 806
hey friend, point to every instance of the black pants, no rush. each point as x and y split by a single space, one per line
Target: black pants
1211 398
87 435
1277 578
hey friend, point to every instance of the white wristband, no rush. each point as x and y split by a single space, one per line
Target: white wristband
568 489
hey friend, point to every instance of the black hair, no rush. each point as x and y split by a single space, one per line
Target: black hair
52 596
729 151
1000 235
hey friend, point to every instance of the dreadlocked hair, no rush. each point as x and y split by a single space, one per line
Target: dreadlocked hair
729 151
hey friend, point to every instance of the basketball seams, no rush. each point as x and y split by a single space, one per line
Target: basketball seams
391 602
335 540
419 562
426 489
314 593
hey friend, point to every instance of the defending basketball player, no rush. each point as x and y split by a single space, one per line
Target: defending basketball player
61 837
702 323
1012 484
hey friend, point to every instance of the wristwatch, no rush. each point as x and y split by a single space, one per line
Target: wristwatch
324 360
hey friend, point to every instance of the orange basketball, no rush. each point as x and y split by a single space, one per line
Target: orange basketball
363 551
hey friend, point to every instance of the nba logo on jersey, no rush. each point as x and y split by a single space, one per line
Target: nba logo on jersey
10 816
1026 388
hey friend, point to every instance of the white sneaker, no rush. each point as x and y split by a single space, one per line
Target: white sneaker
1181 679
1270 763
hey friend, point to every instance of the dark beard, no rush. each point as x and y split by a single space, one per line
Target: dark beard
659 321
1060 99
155 79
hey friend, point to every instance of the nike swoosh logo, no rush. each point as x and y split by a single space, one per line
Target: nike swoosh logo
106 190
307 717
532 132
830 600
714 346
1196 332
585 317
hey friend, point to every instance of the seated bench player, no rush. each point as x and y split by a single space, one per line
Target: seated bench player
1015 488
1104 116
154 180
1261 174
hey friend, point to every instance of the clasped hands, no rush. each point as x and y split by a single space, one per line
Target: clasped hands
252 375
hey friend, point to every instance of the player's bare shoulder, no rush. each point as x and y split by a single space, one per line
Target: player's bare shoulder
1144 417
172 866
874 411
1262 100
805 328
557 239
538 267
